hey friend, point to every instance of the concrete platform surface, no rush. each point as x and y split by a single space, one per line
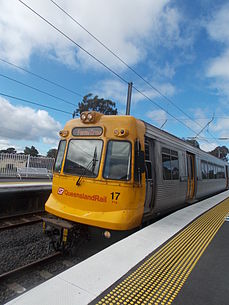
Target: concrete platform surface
23 186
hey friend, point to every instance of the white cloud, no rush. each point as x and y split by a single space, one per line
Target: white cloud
222 127
217 27
129 28
4 143
207 146
27 123
218 67
117 91
111 89
158 117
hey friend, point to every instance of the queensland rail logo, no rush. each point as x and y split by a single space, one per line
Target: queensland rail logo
62 191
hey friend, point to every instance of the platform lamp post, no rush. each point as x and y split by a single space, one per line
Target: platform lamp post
128 102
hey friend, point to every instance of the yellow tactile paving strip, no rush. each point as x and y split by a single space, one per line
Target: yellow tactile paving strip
161 276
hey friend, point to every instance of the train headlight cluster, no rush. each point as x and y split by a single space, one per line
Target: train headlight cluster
122 132
64 133
87 117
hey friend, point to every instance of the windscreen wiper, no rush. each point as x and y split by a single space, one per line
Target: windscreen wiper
93 163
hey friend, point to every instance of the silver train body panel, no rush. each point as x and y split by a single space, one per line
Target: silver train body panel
169 194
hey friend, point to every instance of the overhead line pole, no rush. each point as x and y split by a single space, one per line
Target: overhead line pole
128 102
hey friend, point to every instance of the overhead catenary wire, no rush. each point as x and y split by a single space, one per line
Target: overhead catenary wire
128 66
74 42
100 62
33 103
41 77
36 89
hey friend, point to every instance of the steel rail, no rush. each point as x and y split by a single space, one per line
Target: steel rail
16 221
30 265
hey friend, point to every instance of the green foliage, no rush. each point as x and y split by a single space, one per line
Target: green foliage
31 151
95 103
220 152
52 153
10 150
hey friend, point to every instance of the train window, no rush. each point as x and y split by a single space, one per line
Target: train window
118 161
174 168
221 172
215 171
210 171
166 163
204 169
174 153
83 157
148 170
60 156
166 150
147 151
170 164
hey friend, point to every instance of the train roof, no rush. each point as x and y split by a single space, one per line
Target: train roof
154 132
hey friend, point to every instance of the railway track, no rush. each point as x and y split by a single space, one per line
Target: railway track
17 281
36 263
21 220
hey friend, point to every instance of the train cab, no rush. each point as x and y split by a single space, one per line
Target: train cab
99 172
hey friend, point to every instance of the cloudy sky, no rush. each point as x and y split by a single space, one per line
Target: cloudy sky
180 48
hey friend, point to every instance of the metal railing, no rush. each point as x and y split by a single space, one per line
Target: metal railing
10 163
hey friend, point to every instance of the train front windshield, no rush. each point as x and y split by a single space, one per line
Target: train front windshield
83 157
118 161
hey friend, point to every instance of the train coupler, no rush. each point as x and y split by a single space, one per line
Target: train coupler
59 231
63 234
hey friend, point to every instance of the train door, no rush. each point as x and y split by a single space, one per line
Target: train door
149 172
227 178
191 176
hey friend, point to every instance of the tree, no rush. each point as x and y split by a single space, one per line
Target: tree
220 152
52 153
95 103
31 151
10 150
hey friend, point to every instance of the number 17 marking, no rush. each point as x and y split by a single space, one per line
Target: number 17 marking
115 195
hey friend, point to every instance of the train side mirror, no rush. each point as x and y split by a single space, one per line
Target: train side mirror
141 161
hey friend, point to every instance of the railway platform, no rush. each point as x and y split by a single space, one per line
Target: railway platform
180 259
13 185
18 197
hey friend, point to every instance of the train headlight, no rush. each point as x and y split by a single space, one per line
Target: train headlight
64 133
121 132
116 132
83 116
90 117
107 234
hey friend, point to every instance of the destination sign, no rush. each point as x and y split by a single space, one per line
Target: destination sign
87 131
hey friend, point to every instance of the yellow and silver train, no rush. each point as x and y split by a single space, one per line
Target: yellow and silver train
116 172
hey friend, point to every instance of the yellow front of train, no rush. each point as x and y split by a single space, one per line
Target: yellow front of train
99 172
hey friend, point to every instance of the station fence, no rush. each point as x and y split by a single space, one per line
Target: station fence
11 164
